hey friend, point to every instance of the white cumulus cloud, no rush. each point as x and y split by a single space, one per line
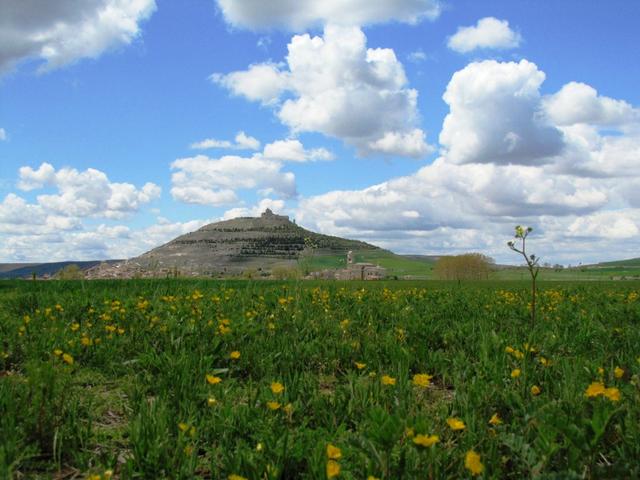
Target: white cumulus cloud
85 194
337 86
496 116
242 142
63 31
292 150
489 32
3 134
296 15
214 181
580 103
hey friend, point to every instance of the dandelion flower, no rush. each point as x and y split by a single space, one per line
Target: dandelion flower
387 380
612 394
472 463
360 366
211 401
595 389
333 469
235 355
67 358
277 388
535 390
273 405
495 419
425 440
618 372
183 427
233 476
455 424
213 380
515 373
57 352
333 452
422 380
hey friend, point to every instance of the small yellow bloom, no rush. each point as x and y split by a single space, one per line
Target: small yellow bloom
371 477
233 476
472 463
183 427
409 432
422 380
495 419
600 371
273 405
612 394
57 352
333 452
618 372
75 327
508 349
535 390
107 474
67 358
455 424
360 366
333 469
425 441
259 447
387 380
235 355
595 389
211 401
515 373
277 388
213 380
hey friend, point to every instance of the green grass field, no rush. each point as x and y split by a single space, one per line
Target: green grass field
187 379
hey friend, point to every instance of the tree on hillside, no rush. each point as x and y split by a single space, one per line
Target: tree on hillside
70 272
469 266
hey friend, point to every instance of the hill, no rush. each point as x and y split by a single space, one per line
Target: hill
233 247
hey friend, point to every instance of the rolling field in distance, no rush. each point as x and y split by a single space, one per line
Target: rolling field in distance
283 380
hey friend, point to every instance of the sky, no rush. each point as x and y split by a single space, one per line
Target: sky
422 126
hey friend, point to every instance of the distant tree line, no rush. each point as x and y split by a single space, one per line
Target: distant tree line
469 266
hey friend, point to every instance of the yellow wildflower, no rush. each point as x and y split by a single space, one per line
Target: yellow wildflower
425 441
333 469
57 352
277 388
235 355
535 390
409 432
233 476
612 394
360 366
273 405
211 401
618 372
515 373
495 419
213 380
455 424
422 380
333 452
472 463
595 389
387 380
67 358
107 474
371 477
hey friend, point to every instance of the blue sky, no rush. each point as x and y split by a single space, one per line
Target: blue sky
98 119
